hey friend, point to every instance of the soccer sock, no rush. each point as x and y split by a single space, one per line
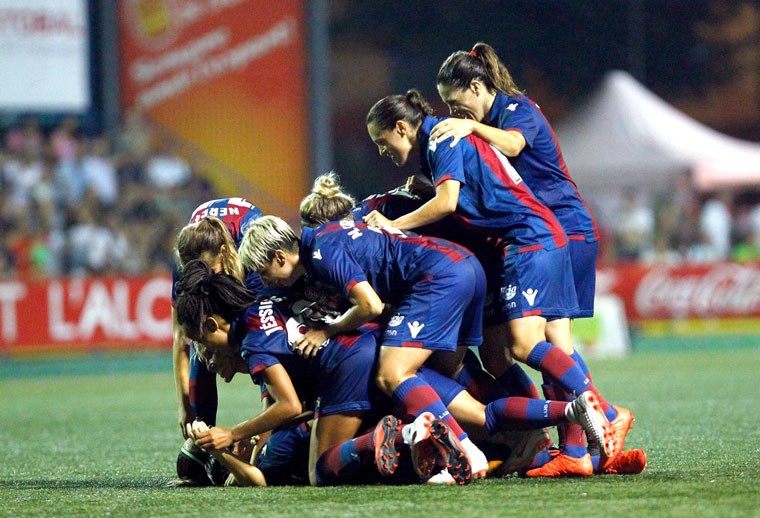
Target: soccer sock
341 463
203 395
481 385
608 409
520 413
573 437
517 383
559 368
446 388
415 396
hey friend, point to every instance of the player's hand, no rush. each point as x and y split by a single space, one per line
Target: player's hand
456 129
309 344
375 219
215 438
185 416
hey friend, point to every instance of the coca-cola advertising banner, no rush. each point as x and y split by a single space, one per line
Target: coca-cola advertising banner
717 290
85 313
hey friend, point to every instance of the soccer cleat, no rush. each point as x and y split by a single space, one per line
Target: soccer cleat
619 428
564 466
630 462
384 440
417 435
586 411
478 460
524 446
451 451
442 478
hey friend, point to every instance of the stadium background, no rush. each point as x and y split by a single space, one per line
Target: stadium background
118 118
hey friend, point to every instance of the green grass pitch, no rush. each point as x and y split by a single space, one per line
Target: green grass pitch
100 438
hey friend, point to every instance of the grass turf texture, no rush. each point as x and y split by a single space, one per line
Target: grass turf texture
99 444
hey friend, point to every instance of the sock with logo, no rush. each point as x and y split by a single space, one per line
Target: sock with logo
609 410
517 383
520 413
415 396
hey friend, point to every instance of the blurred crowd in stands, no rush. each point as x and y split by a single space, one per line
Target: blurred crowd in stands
77 204
74 204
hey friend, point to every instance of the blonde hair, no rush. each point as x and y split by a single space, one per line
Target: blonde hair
264 237
208 235
326 202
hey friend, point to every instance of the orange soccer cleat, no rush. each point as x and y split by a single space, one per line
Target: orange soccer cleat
619 428
384 439
564 466
630 462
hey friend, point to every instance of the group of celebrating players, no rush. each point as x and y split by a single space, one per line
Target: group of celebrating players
360 331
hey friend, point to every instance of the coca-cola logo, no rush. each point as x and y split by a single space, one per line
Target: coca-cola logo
721 290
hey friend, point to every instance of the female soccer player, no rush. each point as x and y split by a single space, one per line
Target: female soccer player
213 235
217 311
476 184
372 266
481 93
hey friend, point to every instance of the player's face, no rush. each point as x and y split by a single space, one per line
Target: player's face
281 271
393 143
465 103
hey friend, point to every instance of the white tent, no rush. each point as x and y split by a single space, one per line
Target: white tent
625 136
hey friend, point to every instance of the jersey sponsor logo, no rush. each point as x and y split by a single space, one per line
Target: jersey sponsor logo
512 107
415 328
396 320
530 295
267 319
390 332
317 254
508 292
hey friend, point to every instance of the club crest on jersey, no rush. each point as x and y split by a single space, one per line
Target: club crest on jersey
508 292
396 320
530 295
415 328
317 254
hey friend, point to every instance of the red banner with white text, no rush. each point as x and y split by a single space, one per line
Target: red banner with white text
696 291
85 313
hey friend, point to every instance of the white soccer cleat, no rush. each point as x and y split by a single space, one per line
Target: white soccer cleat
478 460
587 412
417 436
442 478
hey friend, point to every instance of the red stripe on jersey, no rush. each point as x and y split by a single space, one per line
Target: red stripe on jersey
531 248
566 171
351 284
415 345
451 250
576 237
532 313
258 368
442 179
519 190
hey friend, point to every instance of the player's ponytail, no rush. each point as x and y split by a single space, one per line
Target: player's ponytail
202 293
482 64
208 235
327 202
411 107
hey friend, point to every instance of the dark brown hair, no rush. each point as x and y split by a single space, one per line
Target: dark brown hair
411 107
481 63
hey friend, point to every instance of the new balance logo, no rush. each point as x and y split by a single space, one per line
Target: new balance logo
317 254
415 328
530 295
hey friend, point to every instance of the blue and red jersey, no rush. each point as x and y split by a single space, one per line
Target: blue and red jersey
540 163
236 213
493 198
340 375
345 253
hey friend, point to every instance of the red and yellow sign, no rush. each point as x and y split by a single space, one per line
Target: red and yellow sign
229 78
